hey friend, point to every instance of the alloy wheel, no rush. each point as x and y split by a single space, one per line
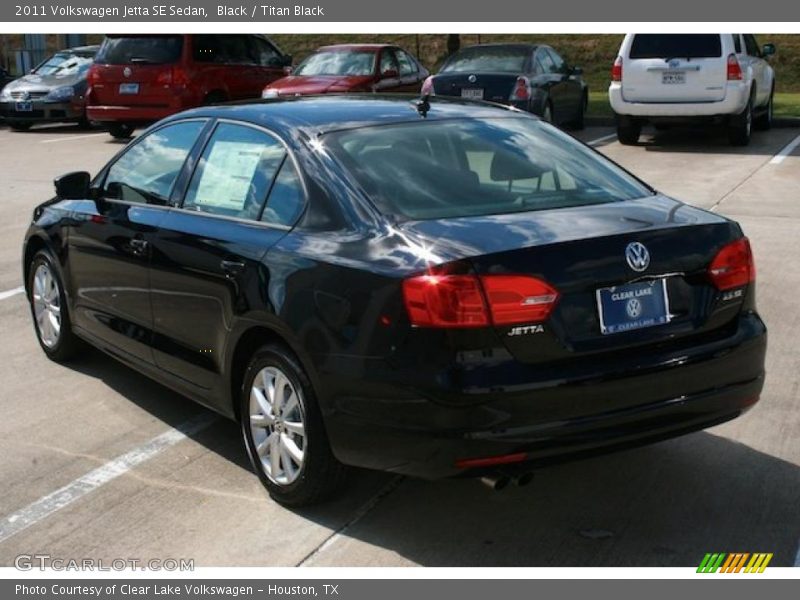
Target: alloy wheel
277 425
47 305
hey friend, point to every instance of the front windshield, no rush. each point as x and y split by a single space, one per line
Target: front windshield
64 63
470 167
488 59
338 62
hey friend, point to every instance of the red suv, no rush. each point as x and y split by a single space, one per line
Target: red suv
137 79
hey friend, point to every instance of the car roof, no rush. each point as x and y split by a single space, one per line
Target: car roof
82 50
354 47
515 45
316 115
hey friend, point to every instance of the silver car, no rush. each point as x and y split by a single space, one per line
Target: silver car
54 91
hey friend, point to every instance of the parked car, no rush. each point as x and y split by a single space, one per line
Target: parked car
54 91
530 77
5 77
138 79
470 293
669 78
352 68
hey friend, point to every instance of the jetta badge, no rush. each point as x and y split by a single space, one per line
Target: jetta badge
127 71
472 79
637 256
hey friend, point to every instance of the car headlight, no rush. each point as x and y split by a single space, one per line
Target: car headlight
5 94
60 94
269 93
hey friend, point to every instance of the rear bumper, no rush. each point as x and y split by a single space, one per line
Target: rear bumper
130 114
736 97
644 399
42 112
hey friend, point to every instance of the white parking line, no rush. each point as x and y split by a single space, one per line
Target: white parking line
10 293
69 138
47 505
786 151
602 139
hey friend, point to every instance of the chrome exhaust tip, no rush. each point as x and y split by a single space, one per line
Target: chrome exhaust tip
496 482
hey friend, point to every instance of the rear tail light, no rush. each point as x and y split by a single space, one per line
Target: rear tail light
93 76
468 300
427 87
522 89
734 69
733 266
174 76
616 69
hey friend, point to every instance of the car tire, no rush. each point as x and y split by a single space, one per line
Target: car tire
580 120
764 121
47 300
20 125
547 112
628 130
740 127
120 131
283 430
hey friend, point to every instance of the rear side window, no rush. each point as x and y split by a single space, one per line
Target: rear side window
149 168
235 173
737 43
286 198
676 45
146 49
222 49
466 167
751 45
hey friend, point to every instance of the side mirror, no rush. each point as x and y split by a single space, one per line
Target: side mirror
73 186
576 71
389 73
768 49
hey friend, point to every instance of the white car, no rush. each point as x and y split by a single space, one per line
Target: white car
664 79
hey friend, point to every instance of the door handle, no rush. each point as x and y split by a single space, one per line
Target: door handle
232 267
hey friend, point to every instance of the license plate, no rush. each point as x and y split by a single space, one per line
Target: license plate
23 106
672 77
472 93
633 306
128 88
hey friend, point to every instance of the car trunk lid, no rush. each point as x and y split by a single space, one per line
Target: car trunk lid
493 87
578 251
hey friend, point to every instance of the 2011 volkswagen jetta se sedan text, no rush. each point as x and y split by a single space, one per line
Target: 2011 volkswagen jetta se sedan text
431 287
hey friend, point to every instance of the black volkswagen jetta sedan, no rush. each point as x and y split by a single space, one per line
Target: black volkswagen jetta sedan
430 288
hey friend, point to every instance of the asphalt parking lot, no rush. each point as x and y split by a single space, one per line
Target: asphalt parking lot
100 462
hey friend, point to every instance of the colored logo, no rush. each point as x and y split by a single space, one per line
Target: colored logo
737 562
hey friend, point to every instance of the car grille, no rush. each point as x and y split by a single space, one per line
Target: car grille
28 95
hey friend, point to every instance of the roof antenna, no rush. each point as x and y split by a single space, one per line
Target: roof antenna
423 105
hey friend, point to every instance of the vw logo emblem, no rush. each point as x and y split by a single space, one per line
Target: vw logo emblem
472 79
637 256
674 63
633 308
127 71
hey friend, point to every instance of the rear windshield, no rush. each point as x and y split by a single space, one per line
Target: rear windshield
488 59
467 167
676 45
146 49
338 62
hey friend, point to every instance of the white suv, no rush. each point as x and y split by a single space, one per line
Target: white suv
671 78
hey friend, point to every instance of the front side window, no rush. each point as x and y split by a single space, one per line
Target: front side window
338 62
467 167
264 54
407 64
148 170
235 172
388 62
